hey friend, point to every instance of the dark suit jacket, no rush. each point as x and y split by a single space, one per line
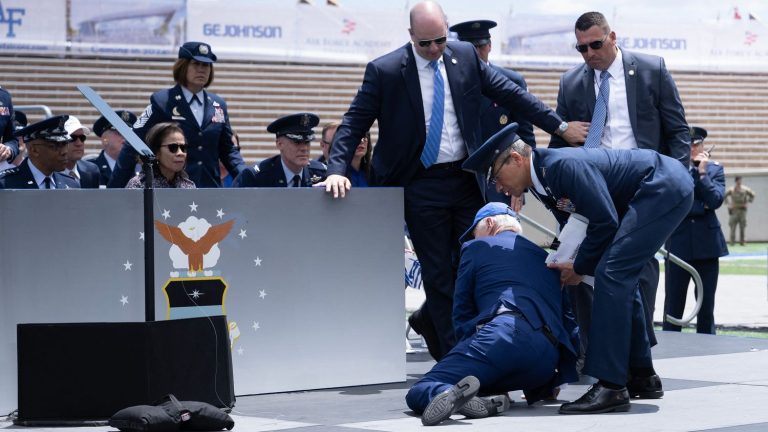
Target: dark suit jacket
6 124
271 174
21 178
206 145
699 235
655 109
602 185
509 270
391 94
494 117
89 174
104 169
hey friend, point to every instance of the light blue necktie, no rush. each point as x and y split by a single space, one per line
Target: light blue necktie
435 132
600 114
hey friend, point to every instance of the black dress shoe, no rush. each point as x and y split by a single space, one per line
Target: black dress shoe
482 407
448 402
645 387
598 399
421 323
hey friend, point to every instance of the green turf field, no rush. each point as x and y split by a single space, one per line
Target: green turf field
735 265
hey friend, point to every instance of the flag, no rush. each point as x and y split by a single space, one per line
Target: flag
749 38
736 14
753 17
349 26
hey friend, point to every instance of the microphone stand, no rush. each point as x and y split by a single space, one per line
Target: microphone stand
149 237
147 158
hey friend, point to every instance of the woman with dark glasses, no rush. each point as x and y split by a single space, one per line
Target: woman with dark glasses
166 140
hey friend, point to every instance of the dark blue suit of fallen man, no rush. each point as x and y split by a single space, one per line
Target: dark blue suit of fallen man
513 330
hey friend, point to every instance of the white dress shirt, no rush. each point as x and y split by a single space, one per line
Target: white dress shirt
617 133
452 147
289 174
40 177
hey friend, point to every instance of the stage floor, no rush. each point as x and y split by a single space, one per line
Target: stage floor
711 383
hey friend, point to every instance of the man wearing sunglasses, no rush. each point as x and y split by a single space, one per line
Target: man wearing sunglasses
630 101
427 96
85 172
46 143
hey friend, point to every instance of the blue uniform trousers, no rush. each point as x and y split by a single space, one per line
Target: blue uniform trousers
440 204
676 288
618 338
505 354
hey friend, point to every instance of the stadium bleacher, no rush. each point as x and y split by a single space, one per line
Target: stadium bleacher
730 106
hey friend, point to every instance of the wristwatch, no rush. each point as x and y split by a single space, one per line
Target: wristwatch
562 128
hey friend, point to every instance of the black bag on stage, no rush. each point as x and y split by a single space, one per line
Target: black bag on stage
170 415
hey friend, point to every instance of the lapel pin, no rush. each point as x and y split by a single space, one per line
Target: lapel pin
178 97
631 72
175 111
453 60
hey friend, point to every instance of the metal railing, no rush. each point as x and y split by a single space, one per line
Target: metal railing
670 257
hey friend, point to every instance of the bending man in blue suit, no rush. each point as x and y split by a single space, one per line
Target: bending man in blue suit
633 200
698 240
511 323
426 96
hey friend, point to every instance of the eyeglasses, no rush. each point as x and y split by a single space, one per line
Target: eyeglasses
495 173
438 41
78 137
175 147
595 45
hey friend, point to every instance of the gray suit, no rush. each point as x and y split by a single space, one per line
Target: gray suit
658 122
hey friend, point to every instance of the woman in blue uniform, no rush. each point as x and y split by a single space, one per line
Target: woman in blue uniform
201 115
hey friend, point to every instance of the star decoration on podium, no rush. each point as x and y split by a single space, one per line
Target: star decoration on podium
255 326
262 293
257 262
220 213
166 213
128 265
243 234
124 300
193 207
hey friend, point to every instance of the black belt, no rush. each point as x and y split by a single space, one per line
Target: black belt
455 165
544 329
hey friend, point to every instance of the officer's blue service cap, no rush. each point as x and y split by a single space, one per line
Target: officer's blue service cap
297 127
102 124
51 129
20 120
199 51
482 159
488 210
476 32
697 134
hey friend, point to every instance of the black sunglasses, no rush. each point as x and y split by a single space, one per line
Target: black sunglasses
78 137
175 147
428 42
595 45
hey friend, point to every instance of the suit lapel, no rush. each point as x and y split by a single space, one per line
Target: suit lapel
630 80
413 88
453 72
588 81
26 175
178 105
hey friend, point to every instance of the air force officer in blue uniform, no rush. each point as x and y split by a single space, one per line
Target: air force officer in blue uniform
633 200
201 114
292 167
9 146
698 240
513 329
46 143
427 96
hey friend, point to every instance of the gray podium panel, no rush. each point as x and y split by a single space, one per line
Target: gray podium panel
312 287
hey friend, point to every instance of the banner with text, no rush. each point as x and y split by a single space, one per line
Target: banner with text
33 26
296 31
